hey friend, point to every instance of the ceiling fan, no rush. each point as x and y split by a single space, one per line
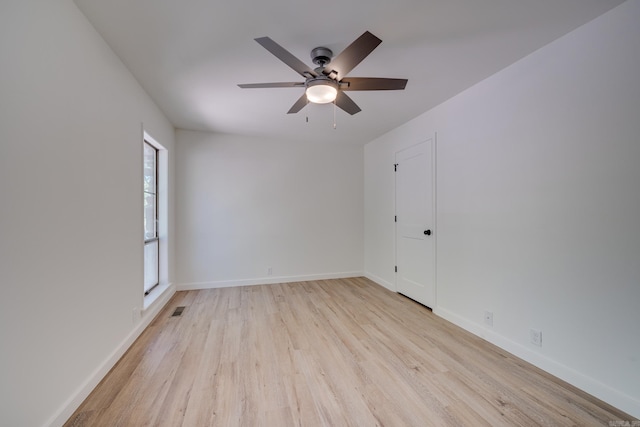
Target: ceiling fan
328 82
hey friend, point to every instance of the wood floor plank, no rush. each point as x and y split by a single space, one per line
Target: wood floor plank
342 352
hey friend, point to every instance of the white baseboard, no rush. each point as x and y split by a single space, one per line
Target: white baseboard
265 280
83 391
590 385
380 281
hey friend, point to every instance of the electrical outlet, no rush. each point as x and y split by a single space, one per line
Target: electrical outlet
536 337
488 318
269 271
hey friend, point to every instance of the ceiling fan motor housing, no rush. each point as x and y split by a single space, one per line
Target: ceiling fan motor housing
321 56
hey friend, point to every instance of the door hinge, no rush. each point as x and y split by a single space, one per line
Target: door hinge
396 268
395 167
395 218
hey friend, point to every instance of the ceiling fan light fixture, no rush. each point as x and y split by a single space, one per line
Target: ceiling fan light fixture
321 91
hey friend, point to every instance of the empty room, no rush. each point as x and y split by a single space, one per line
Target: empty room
409 213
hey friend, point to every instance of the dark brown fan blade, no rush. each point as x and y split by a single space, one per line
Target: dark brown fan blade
354 54
346 103
372 83
299 105
267 85
285 56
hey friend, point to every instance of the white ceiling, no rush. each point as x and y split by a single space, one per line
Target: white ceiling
189 55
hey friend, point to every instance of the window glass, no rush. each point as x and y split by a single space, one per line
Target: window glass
150 192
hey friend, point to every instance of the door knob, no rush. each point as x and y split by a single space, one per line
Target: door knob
427 232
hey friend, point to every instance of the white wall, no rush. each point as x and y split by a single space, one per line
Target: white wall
246 204
71 208
538 206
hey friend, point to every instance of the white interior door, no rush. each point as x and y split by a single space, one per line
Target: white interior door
415 241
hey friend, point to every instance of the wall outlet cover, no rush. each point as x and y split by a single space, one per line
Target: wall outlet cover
536 337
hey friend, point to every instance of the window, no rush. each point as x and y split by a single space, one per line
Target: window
151 239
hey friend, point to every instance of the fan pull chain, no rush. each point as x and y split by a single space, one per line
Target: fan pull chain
334 114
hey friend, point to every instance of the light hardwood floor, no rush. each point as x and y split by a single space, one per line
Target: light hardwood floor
324 353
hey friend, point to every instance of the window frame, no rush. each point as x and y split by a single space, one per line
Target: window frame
155 239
